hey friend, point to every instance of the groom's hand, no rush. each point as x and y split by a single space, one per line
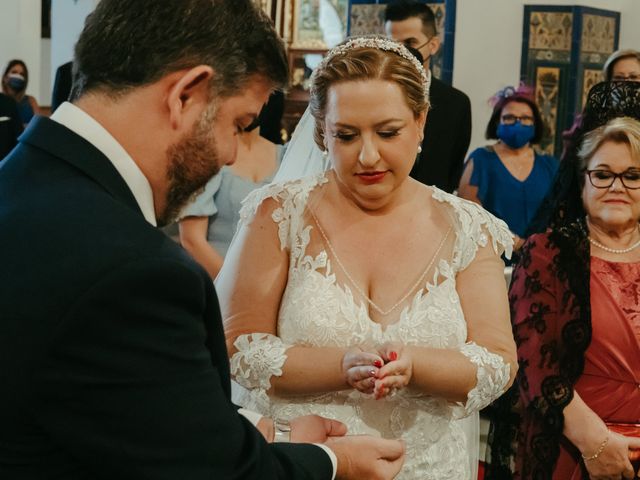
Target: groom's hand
362 456
315 429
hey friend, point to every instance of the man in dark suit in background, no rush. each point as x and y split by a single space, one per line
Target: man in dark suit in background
447 132
62 85
112 353
10 124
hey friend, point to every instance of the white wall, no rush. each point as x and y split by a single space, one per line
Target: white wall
20 38
488 47
67 21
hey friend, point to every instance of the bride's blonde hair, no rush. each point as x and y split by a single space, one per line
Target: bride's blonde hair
366 63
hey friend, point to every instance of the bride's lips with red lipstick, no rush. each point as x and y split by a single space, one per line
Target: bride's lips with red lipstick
371 177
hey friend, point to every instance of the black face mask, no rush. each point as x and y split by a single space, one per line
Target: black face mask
424 59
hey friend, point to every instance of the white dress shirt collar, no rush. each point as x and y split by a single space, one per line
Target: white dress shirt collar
81 123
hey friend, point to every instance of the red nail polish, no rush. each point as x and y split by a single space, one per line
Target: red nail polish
377 363
393 356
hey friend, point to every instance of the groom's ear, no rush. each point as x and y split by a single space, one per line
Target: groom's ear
187 95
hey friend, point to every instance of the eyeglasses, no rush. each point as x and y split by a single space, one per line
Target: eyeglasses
604 178
508 119
633 77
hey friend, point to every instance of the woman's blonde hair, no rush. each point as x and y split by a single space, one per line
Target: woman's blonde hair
618 130
607 70
365 64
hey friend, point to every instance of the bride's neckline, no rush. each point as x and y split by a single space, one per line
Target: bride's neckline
355 285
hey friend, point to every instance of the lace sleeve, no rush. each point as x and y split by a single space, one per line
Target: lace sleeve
291 198
260 357
475 228
492 378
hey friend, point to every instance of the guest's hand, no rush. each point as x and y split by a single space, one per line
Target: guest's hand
397 371
613 462
315 429
360 368
362 456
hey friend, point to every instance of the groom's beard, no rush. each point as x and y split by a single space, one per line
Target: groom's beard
192 161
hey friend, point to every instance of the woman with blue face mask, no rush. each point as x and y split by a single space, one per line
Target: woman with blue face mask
14 84
510 178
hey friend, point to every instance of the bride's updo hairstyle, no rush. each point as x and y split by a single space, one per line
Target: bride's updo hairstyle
368 58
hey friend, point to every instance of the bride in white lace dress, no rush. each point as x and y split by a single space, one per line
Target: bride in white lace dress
362 295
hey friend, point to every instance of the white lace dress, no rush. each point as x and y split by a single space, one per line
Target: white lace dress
441 437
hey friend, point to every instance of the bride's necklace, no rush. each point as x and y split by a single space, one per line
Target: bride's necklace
609 249
357 287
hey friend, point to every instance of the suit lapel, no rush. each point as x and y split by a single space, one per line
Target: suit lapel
66 145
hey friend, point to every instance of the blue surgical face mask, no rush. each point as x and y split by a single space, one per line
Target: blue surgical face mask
516 135
17 82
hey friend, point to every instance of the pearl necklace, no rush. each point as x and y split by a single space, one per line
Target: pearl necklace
609 249
357 287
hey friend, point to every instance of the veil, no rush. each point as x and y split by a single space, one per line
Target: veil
302 157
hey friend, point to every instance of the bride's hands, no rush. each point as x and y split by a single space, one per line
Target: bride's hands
360 368
397 370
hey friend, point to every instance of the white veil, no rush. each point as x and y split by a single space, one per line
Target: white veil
302 157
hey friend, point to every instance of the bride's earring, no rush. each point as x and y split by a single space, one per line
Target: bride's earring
325 153
419 149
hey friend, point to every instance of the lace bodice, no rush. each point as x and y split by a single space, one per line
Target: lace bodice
316 310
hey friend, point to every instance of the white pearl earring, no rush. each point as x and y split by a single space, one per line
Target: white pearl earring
419 149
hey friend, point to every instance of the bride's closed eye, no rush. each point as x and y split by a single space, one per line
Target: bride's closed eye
389 133
344 136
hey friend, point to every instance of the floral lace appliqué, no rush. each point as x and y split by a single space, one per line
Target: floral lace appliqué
492 377
260 356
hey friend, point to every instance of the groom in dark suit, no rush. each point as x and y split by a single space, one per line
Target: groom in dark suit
112 355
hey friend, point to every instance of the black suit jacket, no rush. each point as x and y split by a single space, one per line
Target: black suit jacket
62 85
112 354
10 124
447 134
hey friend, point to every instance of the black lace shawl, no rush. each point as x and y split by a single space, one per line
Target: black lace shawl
527 422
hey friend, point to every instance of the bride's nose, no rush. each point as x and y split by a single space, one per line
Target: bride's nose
369 154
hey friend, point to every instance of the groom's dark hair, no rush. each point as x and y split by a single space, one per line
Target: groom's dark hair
126 44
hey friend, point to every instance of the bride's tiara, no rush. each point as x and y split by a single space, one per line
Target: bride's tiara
380 43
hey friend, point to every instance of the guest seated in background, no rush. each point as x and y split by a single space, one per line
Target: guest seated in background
623 65
447 133
15 80
208 224
510 178
575 302
360 292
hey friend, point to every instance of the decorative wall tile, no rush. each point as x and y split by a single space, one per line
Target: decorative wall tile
591 77
547 89
439 11
551 30
598 34
367 19
563 56
308 30
563 51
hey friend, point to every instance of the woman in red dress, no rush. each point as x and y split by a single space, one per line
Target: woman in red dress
575 299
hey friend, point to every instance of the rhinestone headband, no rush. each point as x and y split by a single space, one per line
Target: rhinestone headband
379 43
